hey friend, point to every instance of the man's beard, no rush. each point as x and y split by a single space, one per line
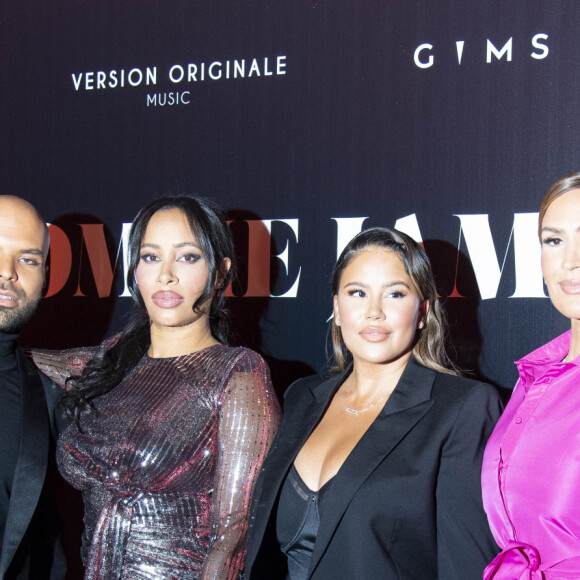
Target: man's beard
13 319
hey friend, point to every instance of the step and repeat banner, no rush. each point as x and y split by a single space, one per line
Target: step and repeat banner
307 122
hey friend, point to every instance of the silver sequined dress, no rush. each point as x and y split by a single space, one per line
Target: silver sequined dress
168 462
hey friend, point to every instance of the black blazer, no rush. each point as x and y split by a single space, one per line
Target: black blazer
406 503
30 545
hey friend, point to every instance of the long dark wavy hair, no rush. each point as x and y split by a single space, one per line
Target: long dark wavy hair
429 347
104 372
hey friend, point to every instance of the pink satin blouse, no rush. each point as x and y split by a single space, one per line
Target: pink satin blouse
531 471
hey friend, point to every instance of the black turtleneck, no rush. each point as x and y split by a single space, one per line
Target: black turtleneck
10 421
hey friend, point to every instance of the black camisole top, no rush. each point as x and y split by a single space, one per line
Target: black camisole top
297 521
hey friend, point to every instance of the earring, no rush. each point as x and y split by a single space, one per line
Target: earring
421 324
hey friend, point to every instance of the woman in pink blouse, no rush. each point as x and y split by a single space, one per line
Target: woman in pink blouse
531 467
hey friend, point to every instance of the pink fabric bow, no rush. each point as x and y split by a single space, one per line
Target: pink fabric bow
516 561
519 561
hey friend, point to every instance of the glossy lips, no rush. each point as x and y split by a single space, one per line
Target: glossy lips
570 286
166 299
374 333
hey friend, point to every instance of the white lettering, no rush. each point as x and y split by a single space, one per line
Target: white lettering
113 78
254 68
162 99
506 49
124 248
410 226
281 65
267 73
542 47
180 73
239 68
283 257
192 73
418 50
217 76
151 75
527 255
479 242
132 82
459 44
77 81
346 230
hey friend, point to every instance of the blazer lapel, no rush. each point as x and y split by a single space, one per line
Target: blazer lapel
32 460
407 405
294 432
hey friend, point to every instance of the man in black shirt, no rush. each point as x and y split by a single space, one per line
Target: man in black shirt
27 402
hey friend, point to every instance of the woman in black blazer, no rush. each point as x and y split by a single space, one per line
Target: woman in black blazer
375 471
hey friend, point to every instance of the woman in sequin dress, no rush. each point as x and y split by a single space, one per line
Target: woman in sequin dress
531 466
169 426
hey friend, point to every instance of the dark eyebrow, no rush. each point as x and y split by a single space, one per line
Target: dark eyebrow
180 245
554 230
33 251
185 244
389 285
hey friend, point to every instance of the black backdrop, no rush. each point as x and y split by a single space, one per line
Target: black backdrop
337 115
346 113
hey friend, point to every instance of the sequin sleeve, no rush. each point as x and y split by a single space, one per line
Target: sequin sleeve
61 364
249 418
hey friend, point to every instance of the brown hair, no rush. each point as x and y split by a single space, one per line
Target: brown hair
563 185
429 347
